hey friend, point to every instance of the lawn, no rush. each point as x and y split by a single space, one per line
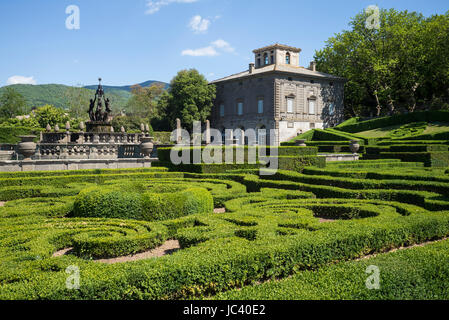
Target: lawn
431 128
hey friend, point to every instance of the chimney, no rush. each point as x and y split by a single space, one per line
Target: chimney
312 66
251 68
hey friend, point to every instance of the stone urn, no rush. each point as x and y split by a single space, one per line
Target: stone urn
300 143
146 146
354 146
26 147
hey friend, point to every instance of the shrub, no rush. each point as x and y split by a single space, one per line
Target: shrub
166 206
125 203
100 202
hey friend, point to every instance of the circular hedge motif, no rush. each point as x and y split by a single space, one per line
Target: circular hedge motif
118 201
410 129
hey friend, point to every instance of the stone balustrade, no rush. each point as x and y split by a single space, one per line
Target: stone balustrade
87 151
90 137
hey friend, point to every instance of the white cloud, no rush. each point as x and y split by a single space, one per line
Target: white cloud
20 80
211 50
156 5
199 24
223 45
201 52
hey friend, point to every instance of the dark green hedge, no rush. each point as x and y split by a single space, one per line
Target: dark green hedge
338 149
298 164
29 174
90 178
164 153
411 142
208 168
430 159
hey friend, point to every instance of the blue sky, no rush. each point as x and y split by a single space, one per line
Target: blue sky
131 41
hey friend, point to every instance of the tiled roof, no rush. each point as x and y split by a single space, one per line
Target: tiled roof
280 68
279 46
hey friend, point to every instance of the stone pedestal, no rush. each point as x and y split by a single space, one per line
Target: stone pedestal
98 127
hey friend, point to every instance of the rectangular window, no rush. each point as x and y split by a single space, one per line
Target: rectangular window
311 106
260 106
222 111
240 108
290 105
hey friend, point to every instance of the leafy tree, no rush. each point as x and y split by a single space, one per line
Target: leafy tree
189 98
51 115
130 123
12 103
78 101
143 102
29 122
398 66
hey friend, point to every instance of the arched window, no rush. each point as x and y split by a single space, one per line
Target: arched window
265 58
287 58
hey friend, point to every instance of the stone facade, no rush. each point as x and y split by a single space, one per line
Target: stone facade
276 93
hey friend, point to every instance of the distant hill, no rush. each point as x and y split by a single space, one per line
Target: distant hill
58 94
128 87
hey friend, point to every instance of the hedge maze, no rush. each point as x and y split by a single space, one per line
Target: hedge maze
294 222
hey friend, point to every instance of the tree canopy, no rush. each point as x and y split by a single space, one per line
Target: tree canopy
12 103
189 98
143 102
50 115
402 65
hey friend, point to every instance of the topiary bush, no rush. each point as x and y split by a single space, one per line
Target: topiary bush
100 202
163 206
129 203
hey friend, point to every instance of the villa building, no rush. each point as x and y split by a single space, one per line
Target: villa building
276 93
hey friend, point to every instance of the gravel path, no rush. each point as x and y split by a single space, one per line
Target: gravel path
167 248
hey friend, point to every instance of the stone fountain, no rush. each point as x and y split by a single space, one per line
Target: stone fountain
96 145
